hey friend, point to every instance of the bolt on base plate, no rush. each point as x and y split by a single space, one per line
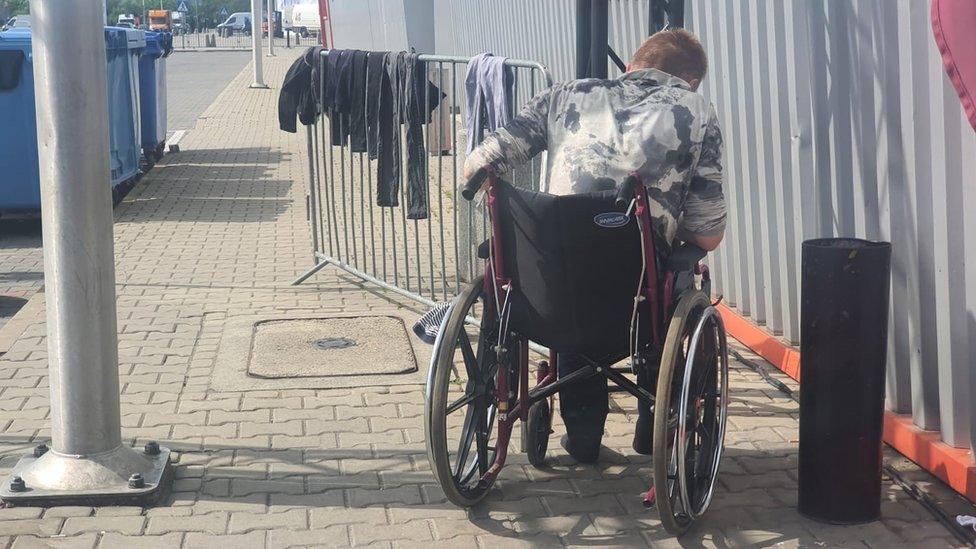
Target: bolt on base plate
123 476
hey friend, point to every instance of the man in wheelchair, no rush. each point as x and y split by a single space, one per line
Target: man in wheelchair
649 122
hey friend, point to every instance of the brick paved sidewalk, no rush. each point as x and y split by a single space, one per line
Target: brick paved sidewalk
217 232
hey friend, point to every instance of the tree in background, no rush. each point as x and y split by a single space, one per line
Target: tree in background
200 12
10 8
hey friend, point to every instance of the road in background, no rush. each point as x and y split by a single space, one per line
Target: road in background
193 79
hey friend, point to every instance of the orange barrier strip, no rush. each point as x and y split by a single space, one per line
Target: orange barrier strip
779 354
953 466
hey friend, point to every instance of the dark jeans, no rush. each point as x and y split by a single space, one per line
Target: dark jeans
583 404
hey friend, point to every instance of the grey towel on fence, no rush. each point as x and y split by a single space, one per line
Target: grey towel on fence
490 89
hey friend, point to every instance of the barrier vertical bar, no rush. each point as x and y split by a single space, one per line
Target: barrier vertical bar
312 199
440 178
428 118
87 460
454 177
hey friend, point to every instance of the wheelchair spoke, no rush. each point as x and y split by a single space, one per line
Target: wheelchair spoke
463 401
481 440
470 359
467 434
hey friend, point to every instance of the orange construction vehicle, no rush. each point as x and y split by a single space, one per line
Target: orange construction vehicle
160 20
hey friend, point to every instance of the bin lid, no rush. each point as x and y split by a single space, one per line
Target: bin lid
136 38
158 44
116 39
120 38
15 38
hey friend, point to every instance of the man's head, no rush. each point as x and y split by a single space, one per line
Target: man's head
674 51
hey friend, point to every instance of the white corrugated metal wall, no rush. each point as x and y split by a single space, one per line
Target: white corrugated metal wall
838 121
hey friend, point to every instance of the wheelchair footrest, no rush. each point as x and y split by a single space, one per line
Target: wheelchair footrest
650 498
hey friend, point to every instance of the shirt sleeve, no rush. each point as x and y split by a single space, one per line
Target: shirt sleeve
515 144
705 209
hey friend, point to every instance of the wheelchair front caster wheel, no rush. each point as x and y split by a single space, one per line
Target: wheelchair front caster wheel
537 429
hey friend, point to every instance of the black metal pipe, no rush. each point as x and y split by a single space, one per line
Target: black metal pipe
599 36
583 38
538 393
617 60
844 338
665 13
642 394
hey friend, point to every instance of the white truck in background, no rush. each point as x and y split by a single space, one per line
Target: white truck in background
305 20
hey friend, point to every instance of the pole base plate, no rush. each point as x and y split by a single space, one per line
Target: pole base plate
123 476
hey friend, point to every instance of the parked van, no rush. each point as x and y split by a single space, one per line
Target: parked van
305 20
237 23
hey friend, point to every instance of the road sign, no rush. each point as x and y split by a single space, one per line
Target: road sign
182 8
223 13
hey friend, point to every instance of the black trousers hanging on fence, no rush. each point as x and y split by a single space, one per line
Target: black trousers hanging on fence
404 97
415 88
376 108
387 129
350 98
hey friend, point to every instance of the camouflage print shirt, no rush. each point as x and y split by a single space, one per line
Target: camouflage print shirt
599 131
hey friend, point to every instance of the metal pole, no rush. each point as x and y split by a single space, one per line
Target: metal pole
256 45
87 458
271 25
583 30
599 38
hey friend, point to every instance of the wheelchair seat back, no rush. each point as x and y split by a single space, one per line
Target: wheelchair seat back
576 265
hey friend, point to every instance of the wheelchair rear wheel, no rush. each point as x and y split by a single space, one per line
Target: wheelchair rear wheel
460 403
690 412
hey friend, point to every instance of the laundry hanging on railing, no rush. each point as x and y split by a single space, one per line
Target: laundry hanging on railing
367 96
490 89
297 96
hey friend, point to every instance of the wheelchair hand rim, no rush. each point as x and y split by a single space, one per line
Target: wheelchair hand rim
681 436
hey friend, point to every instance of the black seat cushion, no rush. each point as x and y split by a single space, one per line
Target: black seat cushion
576 263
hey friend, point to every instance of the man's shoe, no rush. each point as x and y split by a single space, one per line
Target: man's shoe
644 435
589 453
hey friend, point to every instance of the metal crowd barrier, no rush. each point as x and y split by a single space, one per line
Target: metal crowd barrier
212 38
427 260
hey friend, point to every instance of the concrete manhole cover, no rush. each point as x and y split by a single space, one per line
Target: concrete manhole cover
326 347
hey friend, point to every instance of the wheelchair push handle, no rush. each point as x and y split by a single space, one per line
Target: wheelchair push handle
625 192
474 184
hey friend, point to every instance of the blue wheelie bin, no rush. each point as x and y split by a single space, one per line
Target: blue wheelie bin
152 94
20 190
19 173
123 48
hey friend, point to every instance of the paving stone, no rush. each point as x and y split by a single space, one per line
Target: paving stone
417 530
111 540
197 540
85 541
333 536
213 523
295 519
130 525
36 527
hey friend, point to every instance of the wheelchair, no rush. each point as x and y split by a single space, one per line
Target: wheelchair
582 274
